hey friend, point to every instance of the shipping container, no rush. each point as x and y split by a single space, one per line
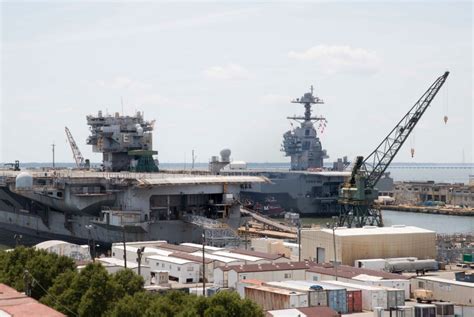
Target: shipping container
444 309
354 300
467 257
316 297
371 264
395 297
336 295
240 286
272 298
425 310
372 296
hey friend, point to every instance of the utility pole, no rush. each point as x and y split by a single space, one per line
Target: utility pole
193 157
124 247
53 146
26 280
299 239
203 264
89 240
246 235
139 258
334 227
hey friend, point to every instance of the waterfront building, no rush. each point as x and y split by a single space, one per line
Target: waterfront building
368 242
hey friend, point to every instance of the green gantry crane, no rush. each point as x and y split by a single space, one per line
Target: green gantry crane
357 195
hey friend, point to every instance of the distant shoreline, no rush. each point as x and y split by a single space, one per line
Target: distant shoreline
431 210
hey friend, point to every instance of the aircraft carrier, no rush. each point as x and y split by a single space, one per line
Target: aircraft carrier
307 187
127 199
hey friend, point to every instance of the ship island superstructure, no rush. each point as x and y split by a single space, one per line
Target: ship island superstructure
307 187
302 143
120 203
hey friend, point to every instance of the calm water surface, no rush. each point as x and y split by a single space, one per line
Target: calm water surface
440 223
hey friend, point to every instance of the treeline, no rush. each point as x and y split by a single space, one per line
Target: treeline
54 281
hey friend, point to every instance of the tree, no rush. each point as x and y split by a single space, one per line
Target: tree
42 267
179 304
129 281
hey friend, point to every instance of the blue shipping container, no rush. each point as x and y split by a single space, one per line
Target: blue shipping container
337 300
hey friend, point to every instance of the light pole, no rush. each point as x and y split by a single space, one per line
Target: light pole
203 264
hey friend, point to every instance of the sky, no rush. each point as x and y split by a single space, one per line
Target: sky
220 75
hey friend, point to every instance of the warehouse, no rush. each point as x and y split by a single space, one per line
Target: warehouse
369 242
181 270
460 293
228 276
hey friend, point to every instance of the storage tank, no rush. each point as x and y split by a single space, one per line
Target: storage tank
24 181
412 266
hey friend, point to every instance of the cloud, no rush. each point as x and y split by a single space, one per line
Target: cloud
227 72
340 58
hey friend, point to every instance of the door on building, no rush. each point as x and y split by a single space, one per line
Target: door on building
320 255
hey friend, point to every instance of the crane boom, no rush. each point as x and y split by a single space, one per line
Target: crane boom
358 193
377 162
75 149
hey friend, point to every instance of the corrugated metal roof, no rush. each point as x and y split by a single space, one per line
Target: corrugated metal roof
443 280
268 267
180 248
238 256
274 290
197 245
118 262
169 259
350 272
257 254
216 257
188 256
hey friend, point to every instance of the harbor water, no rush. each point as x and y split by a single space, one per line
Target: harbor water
442 224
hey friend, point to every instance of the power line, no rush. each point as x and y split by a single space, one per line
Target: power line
47 293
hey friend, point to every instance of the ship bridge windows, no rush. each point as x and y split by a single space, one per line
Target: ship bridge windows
306 145
307 132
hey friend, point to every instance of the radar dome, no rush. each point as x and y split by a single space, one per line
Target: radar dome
24 181
225 155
